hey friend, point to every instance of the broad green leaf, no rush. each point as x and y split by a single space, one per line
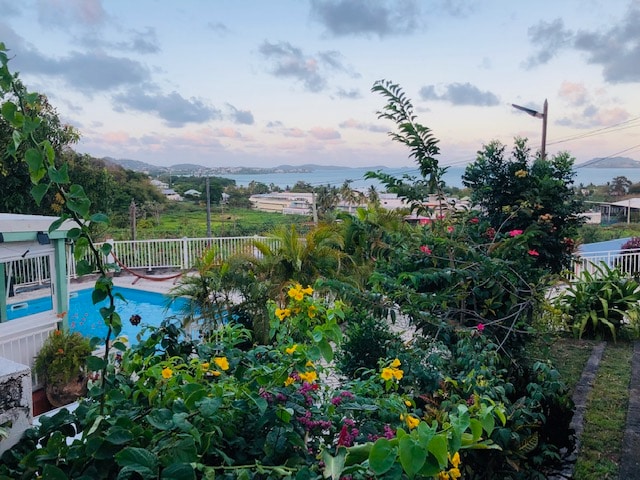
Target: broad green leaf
138 460
35 161
412 456
99 218
98 295
94 363
61 175
326 350
39 191
178 471
8 111
333 466
54 473
162 419
438 447
382 456
84 268
118 435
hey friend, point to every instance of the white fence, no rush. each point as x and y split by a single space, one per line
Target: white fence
628 261
176 254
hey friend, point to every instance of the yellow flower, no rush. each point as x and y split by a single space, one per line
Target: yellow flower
308 290
521 173
215 373
387 373
454 474
397 373
205 366
455 460
293 291
412 422
312 311
289 381
443 476
299 295
221 362
395 364
308 376
407 403
167 372
309 364
291 349
282 313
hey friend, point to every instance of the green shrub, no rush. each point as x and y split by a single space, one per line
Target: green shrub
602 304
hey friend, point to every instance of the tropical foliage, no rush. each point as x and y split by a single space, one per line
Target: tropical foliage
459 400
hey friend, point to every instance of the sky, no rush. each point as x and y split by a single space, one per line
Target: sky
261 83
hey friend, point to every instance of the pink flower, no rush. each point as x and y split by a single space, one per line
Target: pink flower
449 229
515 233
480 327
533 253
474 220
425 249
425 221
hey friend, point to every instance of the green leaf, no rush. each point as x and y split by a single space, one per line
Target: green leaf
99 218
8 111
333 466
48 151
39 191
83 267
162 419
118 435
476 429
54 473
138 460
412 456
95 364
284 414
35 162
382 456
326 350
60 176
178 471
438 447
98 295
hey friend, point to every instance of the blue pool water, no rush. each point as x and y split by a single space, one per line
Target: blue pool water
84 316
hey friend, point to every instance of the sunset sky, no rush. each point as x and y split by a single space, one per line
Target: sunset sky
264 83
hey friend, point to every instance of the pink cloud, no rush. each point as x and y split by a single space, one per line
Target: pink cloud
294 132
574 93
320 133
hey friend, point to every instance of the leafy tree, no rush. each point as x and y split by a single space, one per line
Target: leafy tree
327 199
302 187
619 186
14 172
518 192
422 144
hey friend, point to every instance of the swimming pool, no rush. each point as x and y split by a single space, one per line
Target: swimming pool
84 316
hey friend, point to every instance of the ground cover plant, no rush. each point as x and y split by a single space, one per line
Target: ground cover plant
266 403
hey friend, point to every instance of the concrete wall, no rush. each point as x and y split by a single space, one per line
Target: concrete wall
16 412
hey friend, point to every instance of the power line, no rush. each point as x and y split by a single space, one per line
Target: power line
599 131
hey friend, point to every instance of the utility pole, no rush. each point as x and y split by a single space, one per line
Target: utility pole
544 116
132 215
208 209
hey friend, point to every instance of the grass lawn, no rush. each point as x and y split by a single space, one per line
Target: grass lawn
186 219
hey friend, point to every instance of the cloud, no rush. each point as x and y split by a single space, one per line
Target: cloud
357 125
8 8
366 17
575 94
320 133
616 49
142 42
593 116
550 39
219 28
173 108
460 94
291 62
294 132
65 13
348 94
243 117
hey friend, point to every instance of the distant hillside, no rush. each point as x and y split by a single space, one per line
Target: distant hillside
613 162
193 169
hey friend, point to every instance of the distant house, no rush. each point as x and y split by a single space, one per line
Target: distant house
171 194
286 203
192 193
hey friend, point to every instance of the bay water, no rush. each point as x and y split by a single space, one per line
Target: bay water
336 176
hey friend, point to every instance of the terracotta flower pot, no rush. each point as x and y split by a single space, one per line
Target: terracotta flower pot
60 395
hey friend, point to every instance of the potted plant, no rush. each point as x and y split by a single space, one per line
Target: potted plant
61 365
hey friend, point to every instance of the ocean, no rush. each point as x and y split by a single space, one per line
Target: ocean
453 177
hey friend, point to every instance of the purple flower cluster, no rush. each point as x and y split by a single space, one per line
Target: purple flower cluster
311 424
388 434
305 389
348 433
338 400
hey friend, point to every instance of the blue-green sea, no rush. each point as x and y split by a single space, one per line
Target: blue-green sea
453 177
